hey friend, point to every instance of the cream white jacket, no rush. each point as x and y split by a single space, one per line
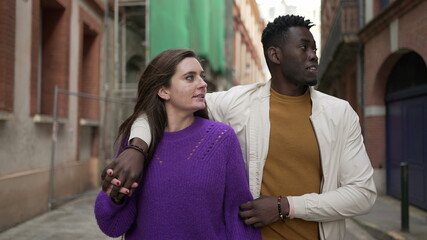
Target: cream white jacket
347 187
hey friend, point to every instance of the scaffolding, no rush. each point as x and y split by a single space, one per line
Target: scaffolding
131 24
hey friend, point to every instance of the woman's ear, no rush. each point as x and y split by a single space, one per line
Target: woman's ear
274 54
163 93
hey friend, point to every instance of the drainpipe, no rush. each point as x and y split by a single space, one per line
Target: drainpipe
361 66
105 87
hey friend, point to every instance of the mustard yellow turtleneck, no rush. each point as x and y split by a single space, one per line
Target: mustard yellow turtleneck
293 165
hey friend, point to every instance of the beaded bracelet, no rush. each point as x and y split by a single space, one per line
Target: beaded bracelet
138 149
279 207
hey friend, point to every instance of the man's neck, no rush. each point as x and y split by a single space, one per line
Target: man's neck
288 89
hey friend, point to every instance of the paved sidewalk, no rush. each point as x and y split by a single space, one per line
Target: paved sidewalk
384 221
75 220
71 221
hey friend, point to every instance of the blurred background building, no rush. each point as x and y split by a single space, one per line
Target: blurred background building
44 43
310 9
94 52
374 56
248 64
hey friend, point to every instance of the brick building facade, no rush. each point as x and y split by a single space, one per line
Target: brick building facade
248 57
7 50
380 68
45 43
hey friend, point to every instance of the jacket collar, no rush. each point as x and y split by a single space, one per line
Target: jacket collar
315 109
314 95
265 86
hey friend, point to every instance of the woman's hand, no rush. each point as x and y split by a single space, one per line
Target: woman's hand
116 185
119 177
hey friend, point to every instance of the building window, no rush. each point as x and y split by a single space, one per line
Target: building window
50 56
410 72
89 83
7 53
384 4
89 74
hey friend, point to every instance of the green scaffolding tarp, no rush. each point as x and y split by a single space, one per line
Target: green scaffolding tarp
194 24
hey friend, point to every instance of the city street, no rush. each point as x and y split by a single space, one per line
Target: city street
75 220
324 96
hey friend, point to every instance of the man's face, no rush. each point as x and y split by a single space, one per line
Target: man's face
299 60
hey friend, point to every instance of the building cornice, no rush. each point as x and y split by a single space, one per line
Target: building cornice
240 27
97 5
380 22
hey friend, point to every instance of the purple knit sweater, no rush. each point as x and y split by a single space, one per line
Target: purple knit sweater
191 189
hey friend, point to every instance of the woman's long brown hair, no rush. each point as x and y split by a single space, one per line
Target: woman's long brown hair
157 74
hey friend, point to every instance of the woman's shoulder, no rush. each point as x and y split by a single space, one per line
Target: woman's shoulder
217 126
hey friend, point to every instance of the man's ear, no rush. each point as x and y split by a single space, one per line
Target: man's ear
274 54
163 93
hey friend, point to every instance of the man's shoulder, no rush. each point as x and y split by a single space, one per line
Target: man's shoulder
330 104
327 99
248 87
242 89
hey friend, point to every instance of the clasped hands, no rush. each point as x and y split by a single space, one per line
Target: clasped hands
121 177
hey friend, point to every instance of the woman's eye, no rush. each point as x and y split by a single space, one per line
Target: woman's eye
303 47
190 78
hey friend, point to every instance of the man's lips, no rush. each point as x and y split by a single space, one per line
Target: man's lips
312 68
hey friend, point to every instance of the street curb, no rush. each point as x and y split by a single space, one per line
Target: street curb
379 233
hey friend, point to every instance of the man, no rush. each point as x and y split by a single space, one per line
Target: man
303 149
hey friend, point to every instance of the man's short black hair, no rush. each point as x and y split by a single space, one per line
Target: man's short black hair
275 31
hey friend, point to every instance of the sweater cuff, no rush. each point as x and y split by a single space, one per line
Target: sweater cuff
111 204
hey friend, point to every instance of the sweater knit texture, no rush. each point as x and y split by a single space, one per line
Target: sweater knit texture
191 189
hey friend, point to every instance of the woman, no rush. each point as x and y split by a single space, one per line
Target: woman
195 180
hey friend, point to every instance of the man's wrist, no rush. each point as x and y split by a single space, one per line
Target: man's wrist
140 150
279 208
139 143
285 207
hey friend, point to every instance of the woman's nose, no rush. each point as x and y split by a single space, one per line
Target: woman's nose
203 83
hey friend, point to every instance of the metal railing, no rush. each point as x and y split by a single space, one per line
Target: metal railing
57 91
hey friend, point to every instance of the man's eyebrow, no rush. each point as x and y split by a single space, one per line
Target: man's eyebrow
305 40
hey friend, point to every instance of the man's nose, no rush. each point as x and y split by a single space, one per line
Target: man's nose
313 56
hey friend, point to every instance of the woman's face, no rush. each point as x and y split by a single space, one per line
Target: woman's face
186 93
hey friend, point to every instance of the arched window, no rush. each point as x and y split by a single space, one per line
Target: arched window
409 72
